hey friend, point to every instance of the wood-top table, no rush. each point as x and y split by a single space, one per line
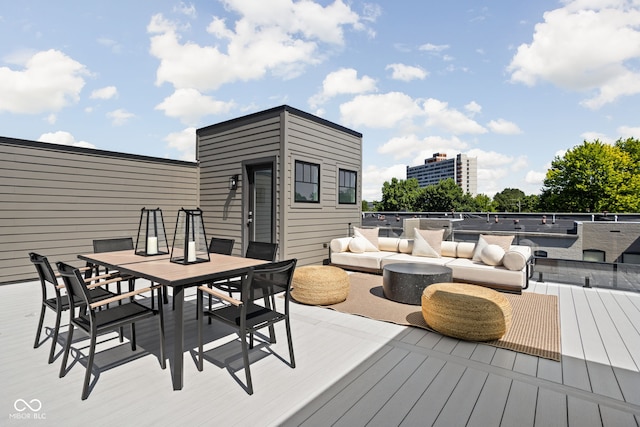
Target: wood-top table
160 270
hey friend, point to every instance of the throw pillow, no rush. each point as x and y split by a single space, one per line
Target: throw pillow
503 241
370 234
427 243
514 260
492 255
358 245
405 246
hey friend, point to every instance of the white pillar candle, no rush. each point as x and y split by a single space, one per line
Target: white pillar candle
191 252
152 245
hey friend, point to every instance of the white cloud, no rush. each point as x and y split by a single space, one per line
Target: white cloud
107 92
119 117
277 37
373 177
503 127
379 111
592 136
343 81
428 47
441 116
419 149
629 132
189 106
49 81
473 108
586 46
64 138
111 44
406 73
535 178
186 9
185 142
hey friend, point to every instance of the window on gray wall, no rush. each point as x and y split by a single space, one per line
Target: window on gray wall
347 183
307 183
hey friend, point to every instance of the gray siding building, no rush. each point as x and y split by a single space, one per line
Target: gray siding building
462 169
298 181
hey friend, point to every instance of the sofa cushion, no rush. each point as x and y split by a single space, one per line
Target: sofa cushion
359 245
492 255
405 246
427 243
465 250
388 244
408 258
371 234
340 245
514 260
466 270
367 260
449 249
503 241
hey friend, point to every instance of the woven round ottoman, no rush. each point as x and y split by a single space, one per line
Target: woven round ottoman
320 285
467 312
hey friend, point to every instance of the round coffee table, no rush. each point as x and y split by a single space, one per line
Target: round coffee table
405 282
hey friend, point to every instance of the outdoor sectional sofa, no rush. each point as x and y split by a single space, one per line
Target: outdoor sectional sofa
509 270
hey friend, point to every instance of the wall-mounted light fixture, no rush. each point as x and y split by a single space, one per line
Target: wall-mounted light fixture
233 182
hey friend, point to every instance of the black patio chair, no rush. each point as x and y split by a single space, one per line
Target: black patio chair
221 246
94 321
253 311
53 298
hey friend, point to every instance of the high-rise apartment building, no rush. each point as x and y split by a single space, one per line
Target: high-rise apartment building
462 169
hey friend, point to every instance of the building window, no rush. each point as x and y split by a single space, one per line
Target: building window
347 183
594 255
307 184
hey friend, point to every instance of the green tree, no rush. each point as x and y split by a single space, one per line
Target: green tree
594 177
445 196
483 203
509 200
398 195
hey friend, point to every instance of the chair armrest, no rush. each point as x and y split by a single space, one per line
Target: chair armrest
220 295
106 282
123 296
102 276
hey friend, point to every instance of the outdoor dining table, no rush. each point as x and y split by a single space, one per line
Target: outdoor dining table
161 270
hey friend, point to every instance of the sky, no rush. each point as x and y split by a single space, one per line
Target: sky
512 83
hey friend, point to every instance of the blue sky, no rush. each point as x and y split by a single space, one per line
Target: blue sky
511 83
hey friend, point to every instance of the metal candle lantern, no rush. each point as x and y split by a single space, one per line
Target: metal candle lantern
189 240
152 238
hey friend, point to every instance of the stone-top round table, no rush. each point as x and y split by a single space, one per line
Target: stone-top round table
405 282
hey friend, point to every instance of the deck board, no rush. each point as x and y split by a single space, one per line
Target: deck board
350 370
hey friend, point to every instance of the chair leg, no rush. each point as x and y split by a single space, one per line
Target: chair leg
87 375
36 344
67 349
55 336
245 358
291 358
133 337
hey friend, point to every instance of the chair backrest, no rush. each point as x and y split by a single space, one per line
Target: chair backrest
74 284
262 250
221 246
45 273
269 279
109 245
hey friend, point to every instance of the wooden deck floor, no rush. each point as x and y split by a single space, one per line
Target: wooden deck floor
350 371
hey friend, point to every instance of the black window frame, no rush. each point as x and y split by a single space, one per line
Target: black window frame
306 180
354 175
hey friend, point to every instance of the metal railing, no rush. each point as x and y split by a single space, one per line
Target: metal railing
620 276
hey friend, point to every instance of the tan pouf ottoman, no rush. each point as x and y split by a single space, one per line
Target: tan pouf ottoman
320 285
467 312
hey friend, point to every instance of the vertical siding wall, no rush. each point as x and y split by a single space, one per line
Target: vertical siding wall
221 151
309 227
55 200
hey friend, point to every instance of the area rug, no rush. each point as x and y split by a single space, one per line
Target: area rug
535 327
